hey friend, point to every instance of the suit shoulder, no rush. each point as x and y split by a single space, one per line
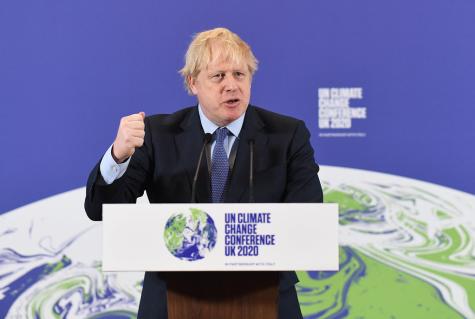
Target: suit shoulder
167 122
277 121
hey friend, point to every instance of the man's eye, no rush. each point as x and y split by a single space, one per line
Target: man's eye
239 74
218 76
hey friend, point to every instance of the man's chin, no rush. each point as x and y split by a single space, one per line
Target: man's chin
233 114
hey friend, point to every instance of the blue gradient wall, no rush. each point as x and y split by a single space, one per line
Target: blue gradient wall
70 69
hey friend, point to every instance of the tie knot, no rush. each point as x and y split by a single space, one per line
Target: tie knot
221 133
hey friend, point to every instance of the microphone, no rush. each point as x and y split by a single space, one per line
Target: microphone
207 138
251 171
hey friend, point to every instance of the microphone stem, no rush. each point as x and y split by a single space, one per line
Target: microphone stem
251 172
195 178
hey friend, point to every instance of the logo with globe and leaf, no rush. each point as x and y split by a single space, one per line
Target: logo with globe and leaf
190 235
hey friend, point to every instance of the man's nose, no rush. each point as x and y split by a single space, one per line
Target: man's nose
229 84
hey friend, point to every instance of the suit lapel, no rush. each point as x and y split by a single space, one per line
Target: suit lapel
188 145
251 130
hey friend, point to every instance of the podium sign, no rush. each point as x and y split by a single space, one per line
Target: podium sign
220 237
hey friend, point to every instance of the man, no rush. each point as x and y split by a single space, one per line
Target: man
158 154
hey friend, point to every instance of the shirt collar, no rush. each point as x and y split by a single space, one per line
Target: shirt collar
209 127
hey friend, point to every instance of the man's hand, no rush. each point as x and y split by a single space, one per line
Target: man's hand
130 135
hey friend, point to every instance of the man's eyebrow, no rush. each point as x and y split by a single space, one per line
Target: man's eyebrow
215 71
210 72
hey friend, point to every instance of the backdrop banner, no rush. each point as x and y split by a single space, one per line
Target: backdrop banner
385 89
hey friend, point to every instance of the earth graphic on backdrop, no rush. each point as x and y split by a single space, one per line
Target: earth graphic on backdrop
407 250
190 235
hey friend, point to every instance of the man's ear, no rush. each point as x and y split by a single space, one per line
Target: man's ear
192 85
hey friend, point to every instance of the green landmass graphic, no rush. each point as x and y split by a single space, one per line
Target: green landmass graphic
198 216
452 238
380 292
174 233
345 201
386 292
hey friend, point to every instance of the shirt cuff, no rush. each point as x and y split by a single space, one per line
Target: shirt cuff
110 170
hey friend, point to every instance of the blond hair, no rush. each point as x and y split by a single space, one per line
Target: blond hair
230 47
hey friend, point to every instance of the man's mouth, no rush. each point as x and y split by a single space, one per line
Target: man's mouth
232 102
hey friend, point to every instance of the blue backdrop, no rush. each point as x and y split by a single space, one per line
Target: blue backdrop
70 69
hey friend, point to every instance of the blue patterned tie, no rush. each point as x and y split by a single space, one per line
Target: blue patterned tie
219 167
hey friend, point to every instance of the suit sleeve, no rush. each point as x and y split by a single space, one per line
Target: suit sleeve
127 188
303 184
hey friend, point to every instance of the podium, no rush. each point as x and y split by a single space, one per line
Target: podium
230 295
220 260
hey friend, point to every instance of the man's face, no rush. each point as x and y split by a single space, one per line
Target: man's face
223 90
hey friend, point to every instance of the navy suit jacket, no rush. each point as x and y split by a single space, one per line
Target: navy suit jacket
284 171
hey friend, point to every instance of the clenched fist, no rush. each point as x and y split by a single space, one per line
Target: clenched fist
130 135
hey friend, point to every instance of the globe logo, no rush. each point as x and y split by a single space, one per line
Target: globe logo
191 235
